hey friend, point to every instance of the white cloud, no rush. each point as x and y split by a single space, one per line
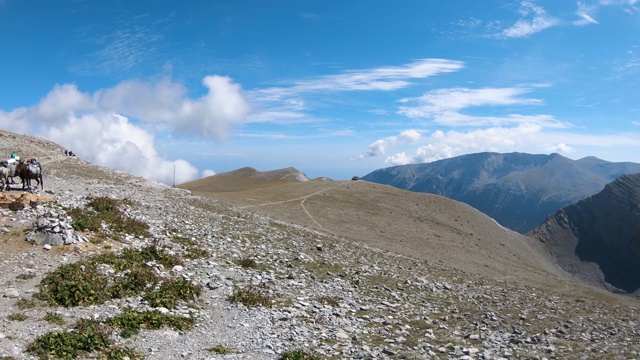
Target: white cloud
398 159
530 138
207 173
111 140
585 14
561 148
444 100
98 128
290 98
443 107
533 19
379 147
211 115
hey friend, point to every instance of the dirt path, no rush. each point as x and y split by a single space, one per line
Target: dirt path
302 199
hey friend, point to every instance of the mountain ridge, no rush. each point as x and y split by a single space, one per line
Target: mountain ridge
598 238
519 190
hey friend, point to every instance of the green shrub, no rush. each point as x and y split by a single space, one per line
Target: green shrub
221 349
53 318
298 355
82 284
17 317
247 263
105 210
171 291
87 336
119 353
250 296
74 284
131 321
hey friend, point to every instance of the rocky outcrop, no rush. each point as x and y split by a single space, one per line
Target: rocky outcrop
598 238
518 190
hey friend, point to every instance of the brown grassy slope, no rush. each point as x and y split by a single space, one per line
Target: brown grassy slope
424 226
246 178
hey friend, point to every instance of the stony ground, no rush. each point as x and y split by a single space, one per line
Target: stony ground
331 297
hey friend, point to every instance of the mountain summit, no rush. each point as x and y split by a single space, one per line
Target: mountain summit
518 190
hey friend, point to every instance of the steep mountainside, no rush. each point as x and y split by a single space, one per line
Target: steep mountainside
599 237
518 190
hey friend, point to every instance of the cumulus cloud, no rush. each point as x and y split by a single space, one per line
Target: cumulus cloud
561 148
533 19
530 138
379 147
207 173
211 115
115 127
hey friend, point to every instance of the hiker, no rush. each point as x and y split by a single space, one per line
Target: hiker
14 155
66 152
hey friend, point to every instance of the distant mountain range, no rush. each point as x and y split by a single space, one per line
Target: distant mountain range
518 190
598 238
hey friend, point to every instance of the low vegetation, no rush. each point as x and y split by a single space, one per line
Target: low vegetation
221 350
298 355
110 276
251 296
106 211
87 283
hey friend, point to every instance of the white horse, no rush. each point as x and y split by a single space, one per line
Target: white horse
11 164
4 178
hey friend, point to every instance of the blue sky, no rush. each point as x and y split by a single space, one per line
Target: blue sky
332 88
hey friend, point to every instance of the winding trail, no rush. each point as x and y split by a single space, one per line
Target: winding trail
302 199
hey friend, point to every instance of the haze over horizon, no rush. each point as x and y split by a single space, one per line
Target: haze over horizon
331 88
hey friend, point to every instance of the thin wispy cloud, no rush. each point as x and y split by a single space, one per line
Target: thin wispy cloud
289 98
376 79
533 19
586 14
444 107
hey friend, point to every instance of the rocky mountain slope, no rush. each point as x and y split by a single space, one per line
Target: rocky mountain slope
599 237
518 190
331 296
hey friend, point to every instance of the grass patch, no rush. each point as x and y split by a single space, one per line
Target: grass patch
17 317
25 276
87 336
247 263
250 297
333 301
171 291
104 210
120 353
185 241
83 283
298 355
53 318
196 253
23 303
221 350
131 322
